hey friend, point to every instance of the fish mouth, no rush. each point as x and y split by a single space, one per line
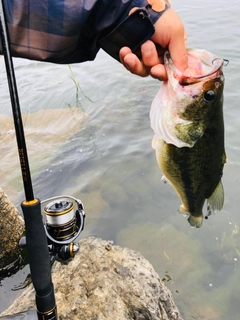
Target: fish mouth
203 65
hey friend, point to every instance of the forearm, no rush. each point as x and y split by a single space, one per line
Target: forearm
69 32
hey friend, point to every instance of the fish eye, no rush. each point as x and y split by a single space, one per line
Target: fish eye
209 95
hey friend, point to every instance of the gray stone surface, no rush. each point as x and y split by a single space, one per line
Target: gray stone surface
11 230
104 281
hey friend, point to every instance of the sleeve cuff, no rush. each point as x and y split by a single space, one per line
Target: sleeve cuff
134 30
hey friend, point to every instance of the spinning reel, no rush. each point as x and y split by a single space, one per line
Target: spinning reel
63 220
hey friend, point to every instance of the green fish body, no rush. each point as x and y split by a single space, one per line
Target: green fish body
187 118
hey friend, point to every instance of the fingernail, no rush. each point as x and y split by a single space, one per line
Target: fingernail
147 51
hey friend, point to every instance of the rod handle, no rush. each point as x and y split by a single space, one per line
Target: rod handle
39 260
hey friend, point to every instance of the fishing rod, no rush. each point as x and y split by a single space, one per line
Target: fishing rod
49 235
36 240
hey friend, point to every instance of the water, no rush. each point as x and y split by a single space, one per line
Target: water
107 161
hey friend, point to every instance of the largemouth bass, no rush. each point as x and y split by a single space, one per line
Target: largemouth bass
187 118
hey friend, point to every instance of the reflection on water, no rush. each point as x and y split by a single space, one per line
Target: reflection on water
109 164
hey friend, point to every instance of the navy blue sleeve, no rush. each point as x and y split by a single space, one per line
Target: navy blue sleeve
66 31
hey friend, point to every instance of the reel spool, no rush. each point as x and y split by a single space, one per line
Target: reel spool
63 222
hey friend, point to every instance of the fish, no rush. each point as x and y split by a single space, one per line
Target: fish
187 119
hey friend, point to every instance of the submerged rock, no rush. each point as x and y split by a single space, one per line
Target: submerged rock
104 281
42 127
180 260
178 252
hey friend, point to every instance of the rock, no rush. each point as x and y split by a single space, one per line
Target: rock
11 230
180 260
104 281
40 128
170 245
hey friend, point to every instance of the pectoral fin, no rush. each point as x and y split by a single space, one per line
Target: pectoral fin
165 180
216 201
190 132
154 142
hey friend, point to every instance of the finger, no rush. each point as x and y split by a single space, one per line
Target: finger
177 48
123 52
174 38
185 39
159 72
178 53
149 54
134 65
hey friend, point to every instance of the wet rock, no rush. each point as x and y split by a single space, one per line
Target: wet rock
11 230
104 281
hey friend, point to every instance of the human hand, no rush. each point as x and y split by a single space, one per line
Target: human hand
169 35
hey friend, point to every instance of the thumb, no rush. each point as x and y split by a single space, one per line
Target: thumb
170 34
178 52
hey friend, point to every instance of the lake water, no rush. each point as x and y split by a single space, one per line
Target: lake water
106 160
